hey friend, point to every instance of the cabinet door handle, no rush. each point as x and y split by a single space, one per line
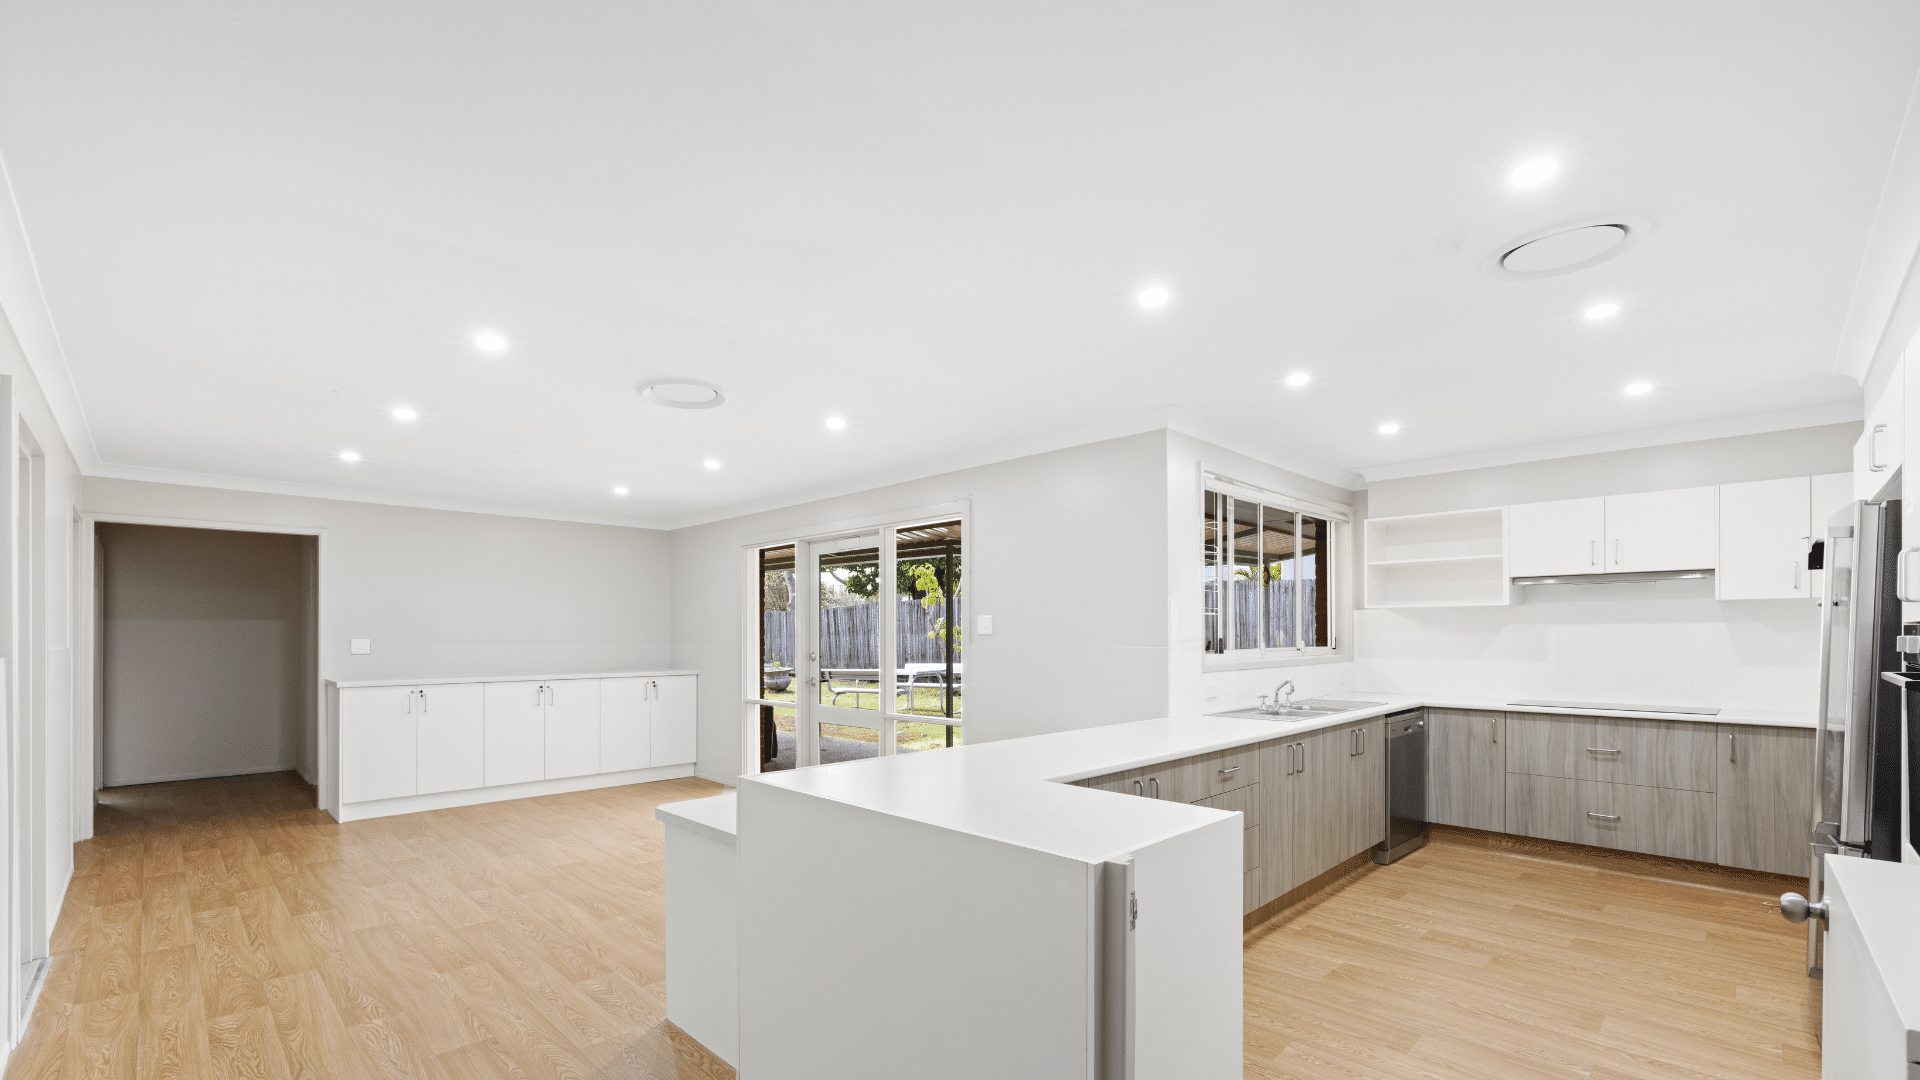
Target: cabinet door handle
1730 756
1593 553
1494 724
1618 546
1303 758
1598 750
423 702
1155 781
409 705
1230 772
1873 449
1604 817
1140 788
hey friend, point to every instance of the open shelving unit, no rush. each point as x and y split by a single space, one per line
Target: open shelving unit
1454 559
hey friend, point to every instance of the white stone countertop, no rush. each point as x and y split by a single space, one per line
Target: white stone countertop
1883 897
526 676
717 816
1019 790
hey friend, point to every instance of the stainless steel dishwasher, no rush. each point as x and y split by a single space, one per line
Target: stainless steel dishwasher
1406 785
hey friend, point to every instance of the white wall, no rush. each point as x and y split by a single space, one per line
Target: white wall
1066 550
1668 643
1197 683
207 637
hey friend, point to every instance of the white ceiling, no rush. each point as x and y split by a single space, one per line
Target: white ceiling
259 228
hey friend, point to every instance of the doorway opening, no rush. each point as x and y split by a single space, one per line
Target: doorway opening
206 658
860 645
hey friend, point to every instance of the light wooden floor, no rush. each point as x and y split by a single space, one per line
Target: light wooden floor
225 928
1459 961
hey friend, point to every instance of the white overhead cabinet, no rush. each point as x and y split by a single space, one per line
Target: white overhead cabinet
1766 528
1661 530
1877 454
402 748
1554 538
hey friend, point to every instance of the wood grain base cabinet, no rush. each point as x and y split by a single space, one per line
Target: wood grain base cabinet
1467 768
1654 821
1765 788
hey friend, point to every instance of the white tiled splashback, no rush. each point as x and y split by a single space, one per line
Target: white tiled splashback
1656 643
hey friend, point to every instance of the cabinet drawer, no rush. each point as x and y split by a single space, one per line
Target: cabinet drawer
1655 821
1196 778
1244 800
1251 860
1618 750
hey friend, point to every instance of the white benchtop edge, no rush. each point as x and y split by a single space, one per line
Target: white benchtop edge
716 817
522 676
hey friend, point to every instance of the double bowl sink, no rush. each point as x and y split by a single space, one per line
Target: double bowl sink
1306 710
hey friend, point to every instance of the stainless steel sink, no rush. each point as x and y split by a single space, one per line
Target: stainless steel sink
1282 714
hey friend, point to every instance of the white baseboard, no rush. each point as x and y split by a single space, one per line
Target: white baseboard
725 781
202 775
413 804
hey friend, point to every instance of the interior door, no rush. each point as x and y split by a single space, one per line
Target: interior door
516 744
450 726
1561 537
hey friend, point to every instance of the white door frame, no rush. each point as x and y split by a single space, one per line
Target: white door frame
89 749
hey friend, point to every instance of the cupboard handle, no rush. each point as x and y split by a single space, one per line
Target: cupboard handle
1730 746
1303 757
1155 781
1617 546
1140 788
423 701
1593 553
1873 449
1230 772
1604 817
409 706
1598 750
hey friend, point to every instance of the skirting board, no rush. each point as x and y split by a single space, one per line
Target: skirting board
441 800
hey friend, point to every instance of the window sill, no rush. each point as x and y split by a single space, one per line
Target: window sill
1209 662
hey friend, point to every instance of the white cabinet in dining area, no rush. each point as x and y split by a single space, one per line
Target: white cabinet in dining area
457 742
1766 530
1644 531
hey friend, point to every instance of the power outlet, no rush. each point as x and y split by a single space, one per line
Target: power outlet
360 646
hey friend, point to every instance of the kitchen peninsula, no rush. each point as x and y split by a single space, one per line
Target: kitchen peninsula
933 878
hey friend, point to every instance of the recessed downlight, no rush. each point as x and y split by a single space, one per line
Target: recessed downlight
1389 428
490 341
619 491
349 456
683 394
1602 310
1636 389
1532 173
404 413
836 423
1299 378
1153 297
710 464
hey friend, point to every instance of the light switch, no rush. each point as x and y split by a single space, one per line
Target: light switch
359 646
985 625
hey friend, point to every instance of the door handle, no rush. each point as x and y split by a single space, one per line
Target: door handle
409 705
1140 788
1730 756
1873 449
1604 817
1493 723
423 702
1155 781
1593 553
1303 758
1618 547
1598 750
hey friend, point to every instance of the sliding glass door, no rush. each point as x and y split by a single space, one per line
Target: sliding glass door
860 650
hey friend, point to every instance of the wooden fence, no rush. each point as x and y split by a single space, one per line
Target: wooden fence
1246 615
849 635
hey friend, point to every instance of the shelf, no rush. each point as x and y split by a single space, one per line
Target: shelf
1442 559
1459 582
1421 537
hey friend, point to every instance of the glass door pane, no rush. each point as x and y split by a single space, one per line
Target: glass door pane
848 709
777 730
928 638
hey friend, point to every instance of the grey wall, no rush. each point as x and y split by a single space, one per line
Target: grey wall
207 637
1767 456
447 593
1067 551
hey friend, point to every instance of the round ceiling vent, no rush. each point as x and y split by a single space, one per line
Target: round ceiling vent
683 394
1566 248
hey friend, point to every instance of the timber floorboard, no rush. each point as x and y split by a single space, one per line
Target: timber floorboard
226 928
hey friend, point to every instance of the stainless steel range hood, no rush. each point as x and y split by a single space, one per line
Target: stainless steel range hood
1622 578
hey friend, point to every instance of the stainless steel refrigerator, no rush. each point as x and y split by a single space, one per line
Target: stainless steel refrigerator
1856 746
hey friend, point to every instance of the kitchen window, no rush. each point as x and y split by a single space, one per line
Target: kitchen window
1267 575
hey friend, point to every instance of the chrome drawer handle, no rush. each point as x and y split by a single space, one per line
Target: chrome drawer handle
1598 750
1230 772
1140 788
1604 817
1155 781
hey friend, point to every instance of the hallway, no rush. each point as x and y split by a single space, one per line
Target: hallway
228 928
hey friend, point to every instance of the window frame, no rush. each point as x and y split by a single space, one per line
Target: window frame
1232 492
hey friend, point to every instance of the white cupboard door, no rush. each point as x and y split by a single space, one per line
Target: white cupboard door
1765 527
1662 530
626 730
451 721
573 727
516 743
1563 537
675 719
376 742
1877 454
